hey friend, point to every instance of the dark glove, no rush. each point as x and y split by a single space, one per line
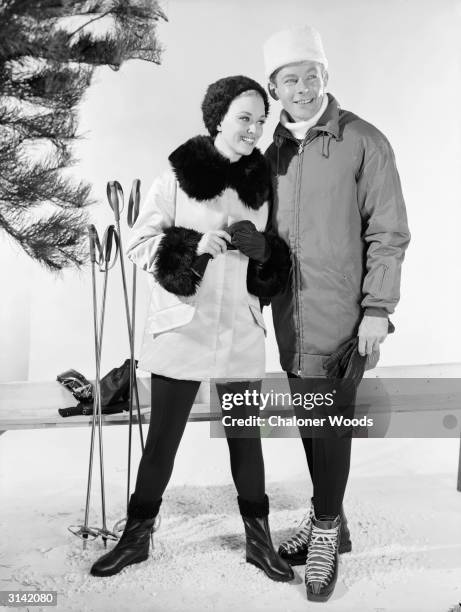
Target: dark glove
250 242
201 261
346 362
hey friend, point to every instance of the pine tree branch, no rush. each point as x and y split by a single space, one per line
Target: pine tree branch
54 241
83 26
45 69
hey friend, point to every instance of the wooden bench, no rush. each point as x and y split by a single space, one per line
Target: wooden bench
34 405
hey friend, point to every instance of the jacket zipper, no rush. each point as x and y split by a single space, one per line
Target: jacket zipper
297 266
307 140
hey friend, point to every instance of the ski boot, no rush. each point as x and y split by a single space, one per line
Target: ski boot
322 559
294 549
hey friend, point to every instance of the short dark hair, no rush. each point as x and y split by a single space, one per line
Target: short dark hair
221 93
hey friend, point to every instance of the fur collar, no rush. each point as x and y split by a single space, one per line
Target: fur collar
203 173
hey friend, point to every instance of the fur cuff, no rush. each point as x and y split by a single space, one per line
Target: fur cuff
267 279
142 511
173 264
252 509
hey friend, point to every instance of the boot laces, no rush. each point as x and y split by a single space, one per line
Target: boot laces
301 538
321 555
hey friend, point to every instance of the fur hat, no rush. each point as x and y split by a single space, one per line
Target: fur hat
298 44
221 93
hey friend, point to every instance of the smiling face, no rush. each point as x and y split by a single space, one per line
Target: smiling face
300 87
242 126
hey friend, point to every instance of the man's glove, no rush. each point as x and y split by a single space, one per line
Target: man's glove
250 242
346 362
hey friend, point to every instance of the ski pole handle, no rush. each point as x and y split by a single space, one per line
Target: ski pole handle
95 245
133 203
110 238
114 196
78 410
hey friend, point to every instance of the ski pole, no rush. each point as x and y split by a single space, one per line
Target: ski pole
116 202
133 213
132 216
84 531
110 237
114 196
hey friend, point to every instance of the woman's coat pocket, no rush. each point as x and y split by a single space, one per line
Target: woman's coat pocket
168 311
170 318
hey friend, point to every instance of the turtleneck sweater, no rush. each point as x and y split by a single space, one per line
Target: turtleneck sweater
299 129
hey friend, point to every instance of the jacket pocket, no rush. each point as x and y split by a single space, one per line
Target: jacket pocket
258 317
167 311
170 318
349 286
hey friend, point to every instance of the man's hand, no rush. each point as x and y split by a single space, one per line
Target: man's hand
372 331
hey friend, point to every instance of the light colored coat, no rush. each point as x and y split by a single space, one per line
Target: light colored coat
218 332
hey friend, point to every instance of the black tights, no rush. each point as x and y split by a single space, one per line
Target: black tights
171 402
328 459
329 463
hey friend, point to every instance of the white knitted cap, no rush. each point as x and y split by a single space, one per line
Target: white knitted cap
298 44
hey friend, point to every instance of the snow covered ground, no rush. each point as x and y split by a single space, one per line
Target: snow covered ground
402 504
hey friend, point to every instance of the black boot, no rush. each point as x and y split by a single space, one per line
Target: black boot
294 548
259 548
133 546
322 559
345 544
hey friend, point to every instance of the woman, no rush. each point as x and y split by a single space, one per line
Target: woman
206 323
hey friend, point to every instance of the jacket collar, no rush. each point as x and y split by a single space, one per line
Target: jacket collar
328 122
203 173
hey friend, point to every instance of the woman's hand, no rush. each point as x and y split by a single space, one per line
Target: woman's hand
214 243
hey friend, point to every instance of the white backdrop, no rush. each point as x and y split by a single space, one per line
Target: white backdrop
395 63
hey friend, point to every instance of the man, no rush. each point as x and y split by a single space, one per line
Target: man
338 205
